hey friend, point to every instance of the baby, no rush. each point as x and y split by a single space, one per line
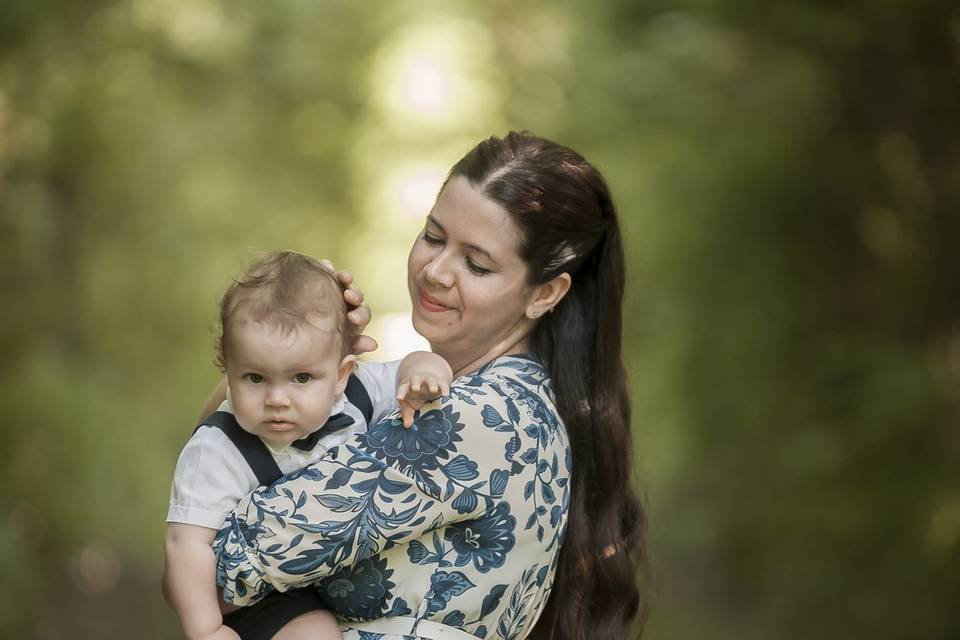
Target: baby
294 390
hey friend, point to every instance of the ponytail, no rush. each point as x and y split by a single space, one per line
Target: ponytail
595 593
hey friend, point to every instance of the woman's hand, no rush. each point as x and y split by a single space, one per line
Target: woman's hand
358 313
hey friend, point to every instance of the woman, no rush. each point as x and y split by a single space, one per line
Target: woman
506 511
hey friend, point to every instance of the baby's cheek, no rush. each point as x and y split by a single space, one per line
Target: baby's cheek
243 412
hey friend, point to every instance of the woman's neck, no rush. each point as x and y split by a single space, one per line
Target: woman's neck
464 363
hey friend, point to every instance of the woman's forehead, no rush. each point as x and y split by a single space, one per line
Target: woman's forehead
468 216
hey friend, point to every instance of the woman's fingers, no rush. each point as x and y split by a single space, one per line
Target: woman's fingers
354 297
344 277
360 316
358 313
364 344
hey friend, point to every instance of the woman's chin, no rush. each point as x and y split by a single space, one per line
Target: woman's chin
423 323
431 331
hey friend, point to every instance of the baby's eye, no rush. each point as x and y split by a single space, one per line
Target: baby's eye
303 378
255 378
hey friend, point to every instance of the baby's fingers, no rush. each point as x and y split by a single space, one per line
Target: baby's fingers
416 382
406 414
402 390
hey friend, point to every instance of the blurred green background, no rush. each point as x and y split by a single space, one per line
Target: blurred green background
788 174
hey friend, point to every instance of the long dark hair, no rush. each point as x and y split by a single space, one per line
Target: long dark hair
568 224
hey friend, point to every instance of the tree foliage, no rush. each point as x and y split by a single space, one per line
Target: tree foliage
789 178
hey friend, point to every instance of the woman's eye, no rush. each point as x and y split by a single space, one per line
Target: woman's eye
255 378
303 378
477 269
431 240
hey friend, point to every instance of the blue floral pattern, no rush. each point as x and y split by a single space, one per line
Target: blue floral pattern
361 590
422 446
424 523
485 541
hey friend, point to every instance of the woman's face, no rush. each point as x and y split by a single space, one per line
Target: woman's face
466 279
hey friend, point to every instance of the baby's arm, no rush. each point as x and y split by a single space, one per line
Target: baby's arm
422 376
189 582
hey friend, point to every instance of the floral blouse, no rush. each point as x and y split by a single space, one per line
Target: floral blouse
457 520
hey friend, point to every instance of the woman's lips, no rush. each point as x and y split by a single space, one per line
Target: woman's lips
432 304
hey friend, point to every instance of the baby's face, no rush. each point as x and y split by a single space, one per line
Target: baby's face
283 385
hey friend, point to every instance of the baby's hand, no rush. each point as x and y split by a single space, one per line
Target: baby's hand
417 390
422 376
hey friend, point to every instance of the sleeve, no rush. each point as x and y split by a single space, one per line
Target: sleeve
209 480
383 488
380 381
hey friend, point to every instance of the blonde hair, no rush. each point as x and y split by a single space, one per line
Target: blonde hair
288 289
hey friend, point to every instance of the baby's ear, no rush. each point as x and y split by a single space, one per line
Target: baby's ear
347 365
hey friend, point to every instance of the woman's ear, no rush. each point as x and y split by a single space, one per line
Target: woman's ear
347 365
546 296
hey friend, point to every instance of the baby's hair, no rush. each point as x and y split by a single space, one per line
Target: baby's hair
288 289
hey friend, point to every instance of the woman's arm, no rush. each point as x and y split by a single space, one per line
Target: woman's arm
388 486
218 395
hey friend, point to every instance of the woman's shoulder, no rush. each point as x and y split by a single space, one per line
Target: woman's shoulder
509 393
526 363
502 387
522 373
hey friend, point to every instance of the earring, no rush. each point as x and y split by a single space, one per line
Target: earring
536 314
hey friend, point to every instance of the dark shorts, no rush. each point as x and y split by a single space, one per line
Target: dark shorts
261 621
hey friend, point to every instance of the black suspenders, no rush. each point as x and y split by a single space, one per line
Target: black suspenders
252 448
357 396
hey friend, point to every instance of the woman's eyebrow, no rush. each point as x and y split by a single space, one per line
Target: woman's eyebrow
434 222
469 245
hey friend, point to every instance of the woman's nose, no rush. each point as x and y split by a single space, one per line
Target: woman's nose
437 271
